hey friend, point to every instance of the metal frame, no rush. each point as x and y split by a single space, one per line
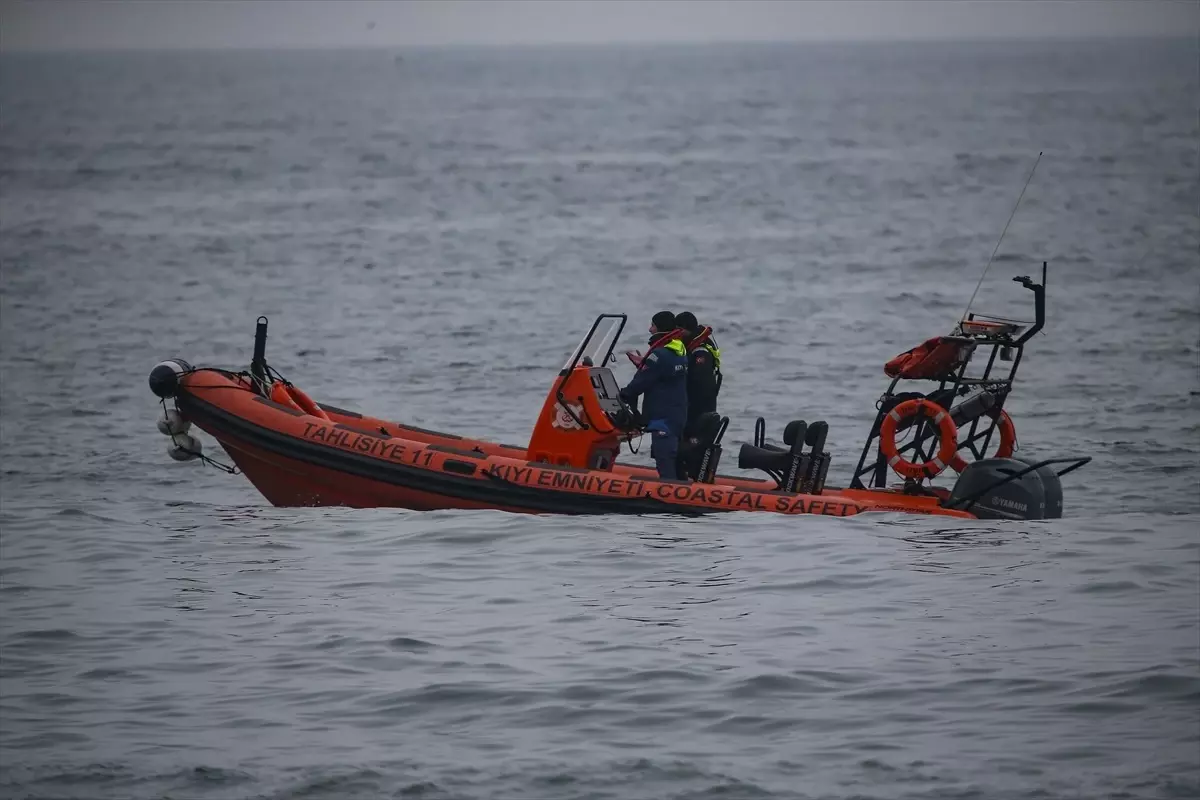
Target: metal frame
924 443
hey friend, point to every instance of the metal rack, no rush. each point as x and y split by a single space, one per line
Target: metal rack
1006 340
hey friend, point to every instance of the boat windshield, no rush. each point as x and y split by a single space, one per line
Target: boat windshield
597 346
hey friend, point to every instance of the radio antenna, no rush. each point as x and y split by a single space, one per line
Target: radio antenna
1001 239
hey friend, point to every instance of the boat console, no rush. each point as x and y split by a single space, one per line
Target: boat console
583 418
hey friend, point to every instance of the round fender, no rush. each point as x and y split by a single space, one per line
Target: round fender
305 402
280 395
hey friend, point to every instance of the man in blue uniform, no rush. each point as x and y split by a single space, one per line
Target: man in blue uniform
662 378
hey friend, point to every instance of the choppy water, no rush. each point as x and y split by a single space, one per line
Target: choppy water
430 237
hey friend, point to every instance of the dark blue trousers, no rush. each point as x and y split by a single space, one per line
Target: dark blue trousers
664 449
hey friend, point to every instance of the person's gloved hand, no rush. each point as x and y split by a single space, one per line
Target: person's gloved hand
657 427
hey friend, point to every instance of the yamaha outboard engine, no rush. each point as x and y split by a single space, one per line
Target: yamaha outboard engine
1051 486
1002 488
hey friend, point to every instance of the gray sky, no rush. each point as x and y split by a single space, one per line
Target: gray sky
106 24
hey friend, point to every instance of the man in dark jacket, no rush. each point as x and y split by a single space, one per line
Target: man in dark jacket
662 378
704 370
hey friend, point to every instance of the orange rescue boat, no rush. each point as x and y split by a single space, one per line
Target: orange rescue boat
298 452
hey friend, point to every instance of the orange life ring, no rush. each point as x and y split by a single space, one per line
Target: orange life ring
1008 441
947 439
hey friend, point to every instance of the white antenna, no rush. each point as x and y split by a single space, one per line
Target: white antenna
997 247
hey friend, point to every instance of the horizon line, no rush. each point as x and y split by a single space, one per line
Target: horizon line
535 45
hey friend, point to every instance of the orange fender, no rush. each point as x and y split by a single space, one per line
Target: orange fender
305 403
279 394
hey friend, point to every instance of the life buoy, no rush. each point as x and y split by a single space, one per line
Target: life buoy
947 439
1008 440
306 403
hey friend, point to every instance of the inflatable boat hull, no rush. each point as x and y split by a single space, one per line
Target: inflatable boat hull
297 459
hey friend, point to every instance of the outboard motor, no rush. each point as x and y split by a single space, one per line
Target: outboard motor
1051 486
1002 488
